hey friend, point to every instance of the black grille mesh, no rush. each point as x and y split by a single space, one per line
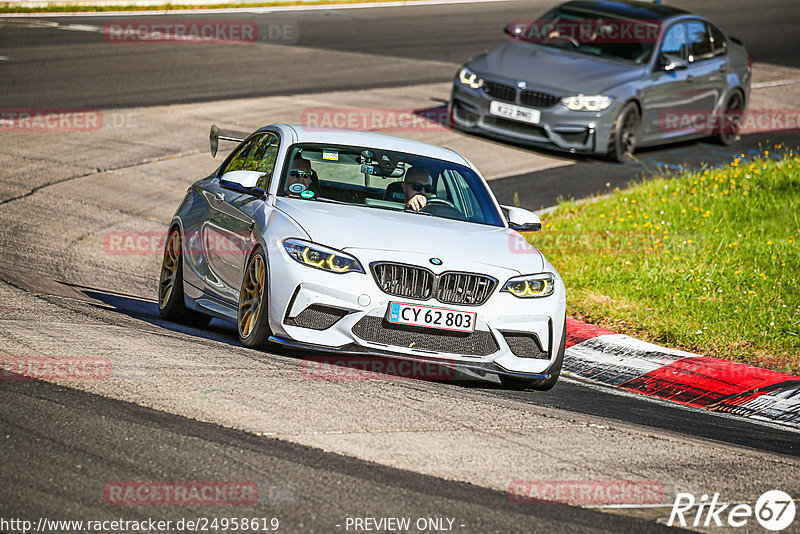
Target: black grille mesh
413 282
317 317
403 280
525 345
500 91
477 343
464 288
538 100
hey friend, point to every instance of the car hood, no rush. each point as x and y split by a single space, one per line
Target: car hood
564 73
346 227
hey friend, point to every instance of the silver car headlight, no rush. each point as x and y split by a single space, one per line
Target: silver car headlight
531 286
587 103
469 78
322 257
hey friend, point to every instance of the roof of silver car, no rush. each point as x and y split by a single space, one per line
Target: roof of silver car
631 9
342 136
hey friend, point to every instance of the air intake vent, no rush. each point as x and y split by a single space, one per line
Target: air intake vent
375 329
317 317
525 345
500 91
464 288
535 99
403 280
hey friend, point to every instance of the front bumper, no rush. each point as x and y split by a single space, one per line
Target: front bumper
558 128
346 313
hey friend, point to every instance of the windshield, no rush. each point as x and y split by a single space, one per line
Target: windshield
389 180
593 33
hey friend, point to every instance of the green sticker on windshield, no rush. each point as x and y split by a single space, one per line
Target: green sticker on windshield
307 194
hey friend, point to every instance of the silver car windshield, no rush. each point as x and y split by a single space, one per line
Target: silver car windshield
384 179
596 34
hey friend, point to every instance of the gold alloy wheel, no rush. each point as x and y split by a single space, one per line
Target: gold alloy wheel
252 295
169 268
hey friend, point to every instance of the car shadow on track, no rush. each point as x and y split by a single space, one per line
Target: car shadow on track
314 365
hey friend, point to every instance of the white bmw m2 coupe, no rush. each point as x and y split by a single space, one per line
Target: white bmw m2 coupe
362 243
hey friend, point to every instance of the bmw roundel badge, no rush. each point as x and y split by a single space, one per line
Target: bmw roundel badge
436 261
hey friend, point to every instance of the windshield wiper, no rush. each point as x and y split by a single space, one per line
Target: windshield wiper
331 201
418 212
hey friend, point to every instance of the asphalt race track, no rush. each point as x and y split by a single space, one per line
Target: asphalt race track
192 405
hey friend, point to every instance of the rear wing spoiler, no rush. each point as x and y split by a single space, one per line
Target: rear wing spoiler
218 135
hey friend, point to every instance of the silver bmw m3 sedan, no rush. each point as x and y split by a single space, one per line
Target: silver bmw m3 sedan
606 77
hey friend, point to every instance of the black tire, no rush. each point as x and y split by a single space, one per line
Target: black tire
731 120
171 303
520 384
252 318
622 142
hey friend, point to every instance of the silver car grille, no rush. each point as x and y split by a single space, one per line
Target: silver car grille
409 281
508 93
500 91
536 99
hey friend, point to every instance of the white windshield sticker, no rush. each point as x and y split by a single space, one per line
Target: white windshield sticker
297 188
330 155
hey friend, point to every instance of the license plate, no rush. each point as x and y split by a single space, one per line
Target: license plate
431 317
517 113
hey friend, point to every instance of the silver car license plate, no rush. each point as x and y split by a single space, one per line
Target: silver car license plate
517 113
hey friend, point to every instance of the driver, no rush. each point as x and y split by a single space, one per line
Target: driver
417 186
304 176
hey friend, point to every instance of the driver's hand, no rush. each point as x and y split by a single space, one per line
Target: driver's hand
417 202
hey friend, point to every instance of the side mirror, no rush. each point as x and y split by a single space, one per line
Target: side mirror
669 63
515 30
522 220
242 182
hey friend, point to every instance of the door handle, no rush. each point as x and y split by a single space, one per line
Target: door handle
689 79
723 67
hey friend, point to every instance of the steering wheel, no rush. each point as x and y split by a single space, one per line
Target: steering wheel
440 201
556 35
443 208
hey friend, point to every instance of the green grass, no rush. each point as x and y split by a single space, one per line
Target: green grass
707 262
11 8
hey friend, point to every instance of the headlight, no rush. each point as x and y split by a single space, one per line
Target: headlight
321 257
531 286
469 78
587 103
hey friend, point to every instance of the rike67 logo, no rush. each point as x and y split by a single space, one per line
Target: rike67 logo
774 510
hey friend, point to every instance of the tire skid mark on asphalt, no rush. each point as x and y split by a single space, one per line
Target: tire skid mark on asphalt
124 166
